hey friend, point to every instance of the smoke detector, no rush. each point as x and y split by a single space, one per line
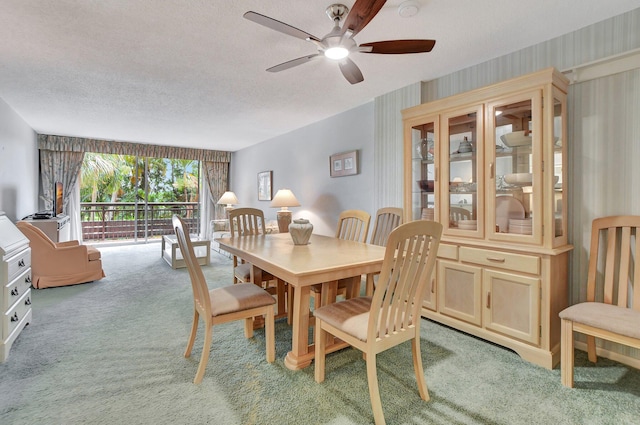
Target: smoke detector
408 8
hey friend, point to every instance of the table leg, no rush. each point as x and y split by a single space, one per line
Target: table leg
300 357
328 293
302 353
369 285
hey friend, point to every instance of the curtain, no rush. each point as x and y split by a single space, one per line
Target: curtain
74 213
217 176
64 167
80 144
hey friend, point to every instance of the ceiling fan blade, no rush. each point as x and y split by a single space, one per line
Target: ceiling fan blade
279 26
292 63
397 47
351 71
361 14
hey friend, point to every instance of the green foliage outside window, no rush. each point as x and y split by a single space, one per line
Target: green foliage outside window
125 179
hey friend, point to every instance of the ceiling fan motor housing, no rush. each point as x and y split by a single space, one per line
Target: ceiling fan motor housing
337 11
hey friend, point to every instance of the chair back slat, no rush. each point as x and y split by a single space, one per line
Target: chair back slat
457 214
353 225
614 274
625 260
635 304
246 222
198 282
610 267
407 266
386 220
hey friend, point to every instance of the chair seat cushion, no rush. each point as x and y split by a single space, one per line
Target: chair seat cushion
238 297
243 273
620 320
351 316
93 253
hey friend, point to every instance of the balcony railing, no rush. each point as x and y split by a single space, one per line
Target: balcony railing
116 221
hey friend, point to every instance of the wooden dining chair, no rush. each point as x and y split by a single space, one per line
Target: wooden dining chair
222 305
457 214
386 220
353 225
251 222
612 308
392 315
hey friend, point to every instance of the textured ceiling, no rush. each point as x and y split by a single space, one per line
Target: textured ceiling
192 73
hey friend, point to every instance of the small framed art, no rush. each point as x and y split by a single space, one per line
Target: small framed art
264 185
343 164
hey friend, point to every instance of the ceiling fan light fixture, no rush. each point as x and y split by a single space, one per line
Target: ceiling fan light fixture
336 52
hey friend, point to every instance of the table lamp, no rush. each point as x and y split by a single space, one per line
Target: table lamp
284 199
228 198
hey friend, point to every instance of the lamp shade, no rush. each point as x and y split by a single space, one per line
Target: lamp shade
228 198
284 198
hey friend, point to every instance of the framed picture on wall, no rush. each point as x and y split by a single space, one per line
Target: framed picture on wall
264 185
343 164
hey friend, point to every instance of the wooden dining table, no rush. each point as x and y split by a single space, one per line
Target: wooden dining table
325 260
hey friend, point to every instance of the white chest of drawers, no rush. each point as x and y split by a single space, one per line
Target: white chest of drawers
15 284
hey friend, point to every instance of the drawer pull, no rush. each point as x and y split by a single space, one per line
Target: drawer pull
14 292
27 301
488 299
496 260
21 263
14 318
27 279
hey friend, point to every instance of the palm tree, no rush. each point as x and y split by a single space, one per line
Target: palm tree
95 167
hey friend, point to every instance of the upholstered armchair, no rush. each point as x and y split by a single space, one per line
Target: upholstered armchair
59 264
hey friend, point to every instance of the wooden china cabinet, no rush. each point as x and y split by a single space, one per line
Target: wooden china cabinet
488 165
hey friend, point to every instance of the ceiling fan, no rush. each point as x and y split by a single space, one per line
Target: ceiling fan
339 43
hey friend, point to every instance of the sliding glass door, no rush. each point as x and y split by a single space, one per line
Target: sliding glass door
131 198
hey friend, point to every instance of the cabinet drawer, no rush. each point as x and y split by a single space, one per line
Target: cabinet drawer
504 260
12 318
450 252
15 265
14 290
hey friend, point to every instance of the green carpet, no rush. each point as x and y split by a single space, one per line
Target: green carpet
110 352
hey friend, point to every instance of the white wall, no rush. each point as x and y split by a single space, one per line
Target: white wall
300 162
18 165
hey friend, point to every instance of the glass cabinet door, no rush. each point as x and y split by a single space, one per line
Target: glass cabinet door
462 171
424 171
559 173
515 179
